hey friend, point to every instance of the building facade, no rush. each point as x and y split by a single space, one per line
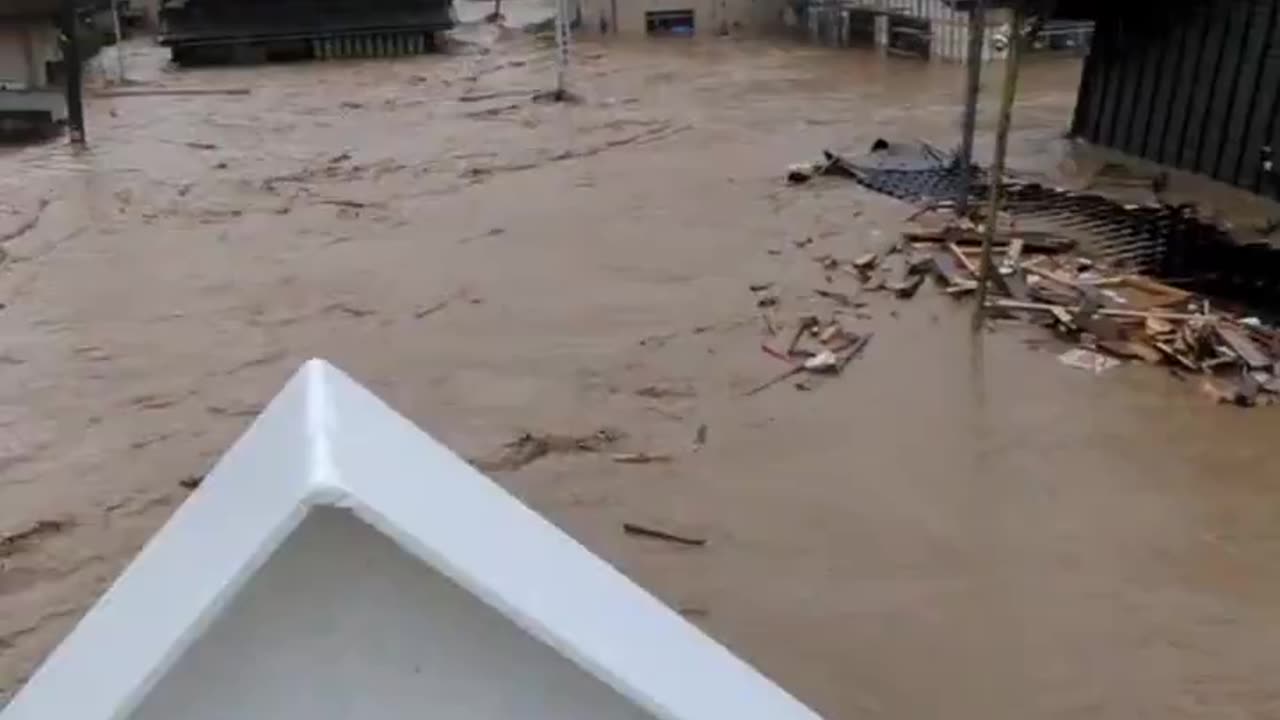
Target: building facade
926 29
680 17
1196 87
29 50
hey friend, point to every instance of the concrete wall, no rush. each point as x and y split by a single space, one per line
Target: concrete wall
927 28
711 17
342 624
25 50
151 12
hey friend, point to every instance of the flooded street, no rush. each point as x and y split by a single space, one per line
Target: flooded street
954 528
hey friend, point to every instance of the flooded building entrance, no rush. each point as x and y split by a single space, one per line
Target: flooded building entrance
679 23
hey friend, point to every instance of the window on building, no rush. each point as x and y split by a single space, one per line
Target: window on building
669 22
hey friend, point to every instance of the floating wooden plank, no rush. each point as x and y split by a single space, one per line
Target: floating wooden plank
946 267
1039 243
963 259
1169 351
1142 293
171 92
1015 285
340 563
840 298
656 534
1106 312
1244 348
895 271
908 287
866 261
1013 253
1133 349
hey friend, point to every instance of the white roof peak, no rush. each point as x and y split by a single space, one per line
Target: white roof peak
327 441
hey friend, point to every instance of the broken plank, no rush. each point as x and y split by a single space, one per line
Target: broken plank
1013 254
1033 268
946 267
431 310
855 349
170 92
963 259
907 288
1106 312
640 458
1144 292
1244 348
1171 353
894 271
656 534
807 323
1133 350
842 299
1015 285
866 261
1042 243
791 372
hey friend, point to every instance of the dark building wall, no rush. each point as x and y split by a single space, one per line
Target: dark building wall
1195 87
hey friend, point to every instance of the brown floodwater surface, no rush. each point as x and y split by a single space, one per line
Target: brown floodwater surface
957 527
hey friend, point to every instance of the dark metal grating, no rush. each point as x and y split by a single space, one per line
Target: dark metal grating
1170 242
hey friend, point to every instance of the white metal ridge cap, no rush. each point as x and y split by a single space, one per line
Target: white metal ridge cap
325 440
442 510
256 495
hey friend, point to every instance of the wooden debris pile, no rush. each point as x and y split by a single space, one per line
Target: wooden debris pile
1110 315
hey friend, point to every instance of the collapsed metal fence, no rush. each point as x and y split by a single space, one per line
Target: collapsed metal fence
926 29
1169 242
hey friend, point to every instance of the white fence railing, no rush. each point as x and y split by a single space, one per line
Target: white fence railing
926 28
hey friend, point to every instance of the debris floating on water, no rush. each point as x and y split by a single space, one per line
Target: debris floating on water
1112 315
531 447
656 534
16 542
640 458
1084 359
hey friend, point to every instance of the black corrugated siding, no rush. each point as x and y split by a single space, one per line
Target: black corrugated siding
1197 89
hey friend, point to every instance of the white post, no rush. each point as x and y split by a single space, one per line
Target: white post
115 18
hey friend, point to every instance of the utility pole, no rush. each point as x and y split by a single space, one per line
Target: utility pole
562 49
73 71
995 192
115 18
973 86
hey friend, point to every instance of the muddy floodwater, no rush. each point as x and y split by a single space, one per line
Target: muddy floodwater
952 529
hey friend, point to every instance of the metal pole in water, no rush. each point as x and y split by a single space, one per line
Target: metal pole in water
1017 38
71 60
115 19
562 48
973 86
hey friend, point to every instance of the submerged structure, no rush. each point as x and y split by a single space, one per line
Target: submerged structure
211 30
339 563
